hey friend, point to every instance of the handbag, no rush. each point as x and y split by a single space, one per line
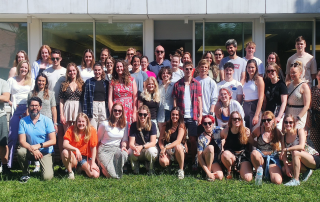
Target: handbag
310 150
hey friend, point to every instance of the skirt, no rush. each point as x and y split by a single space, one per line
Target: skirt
112 159
71 110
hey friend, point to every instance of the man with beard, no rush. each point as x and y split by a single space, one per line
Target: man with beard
238 62
37 137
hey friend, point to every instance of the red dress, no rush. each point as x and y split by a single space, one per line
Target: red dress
124 95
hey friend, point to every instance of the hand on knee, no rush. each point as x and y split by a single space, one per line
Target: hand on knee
247 177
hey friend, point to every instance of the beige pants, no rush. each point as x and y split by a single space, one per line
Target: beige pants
149 154
46 163
99 113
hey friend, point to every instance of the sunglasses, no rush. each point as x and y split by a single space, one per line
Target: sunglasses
207 123
271 71
117 110
217 54
143 114
53 59
288 122
188 69
159 52
266 120
236 119
294 65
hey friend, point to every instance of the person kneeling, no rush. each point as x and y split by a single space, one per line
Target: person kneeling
80 147
171 141
37 137
142 141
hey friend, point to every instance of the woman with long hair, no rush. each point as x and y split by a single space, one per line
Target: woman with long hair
267 148
42 62
21 55
235 153
253 90
276 93
86 67
129 55
209 149
139 76
151 98
20 86
113 138
142 141
299 97
80 147
226 107
109 64
273 57
171 141
293 141
214 71
123 89
70 95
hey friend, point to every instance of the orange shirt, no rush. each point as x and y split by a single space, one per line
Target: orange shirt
81 145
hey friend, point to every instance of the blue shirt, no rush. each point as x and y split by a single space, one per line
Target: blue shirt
37 133
139 77
155 67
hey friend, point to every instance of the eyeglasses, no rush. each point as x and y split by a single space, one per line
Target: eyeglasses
117 110
188 69
271 71
34 106
236 119
130 54
217 54
207 123
159 52
288 122
143 114
53 59
294 65
266 120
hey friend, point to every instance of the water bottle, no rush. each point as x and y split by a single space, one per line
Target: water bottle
259 176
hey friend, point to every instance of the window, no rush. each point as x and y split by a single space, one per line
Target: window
13 38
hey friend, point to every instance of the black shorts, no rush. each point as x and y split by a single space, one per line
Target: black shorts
317 160
3 131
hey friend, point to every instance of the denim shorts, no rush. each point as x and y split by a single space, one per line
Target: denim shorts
167 115
83 161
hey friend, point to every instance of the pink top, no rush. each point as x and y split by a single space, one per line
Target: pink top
149 73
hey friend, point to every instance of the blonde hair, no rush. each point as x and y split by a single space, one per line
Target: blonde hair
299 66
294 123
67 82
87 129
130 49
28 79
146 94
250 43
148 124
274 131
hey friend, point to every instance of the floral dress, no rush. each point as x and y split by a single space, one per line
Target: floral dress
124 94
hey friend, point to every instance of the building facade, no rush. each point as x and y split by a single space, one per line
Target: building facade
198 26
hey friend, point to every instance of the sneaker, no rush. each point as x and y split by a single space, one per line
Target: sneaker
180 174
71 175
24 179
0 169
37 169
292 182
305 176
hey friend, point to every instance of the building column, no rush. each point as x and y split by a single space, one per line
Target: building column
148 39
34 39
259 39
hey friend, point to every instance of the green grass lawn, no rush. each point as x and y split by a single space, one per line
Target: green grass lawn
159 187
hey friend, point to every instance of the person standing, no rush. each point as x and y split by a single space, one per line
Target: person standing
177 73
250 50
43 61
4 149
309 64
238 62
160 62
86 67
187 95
139 76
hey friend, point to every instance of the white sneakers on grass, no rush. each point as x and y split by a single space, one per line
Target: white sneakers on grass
180 174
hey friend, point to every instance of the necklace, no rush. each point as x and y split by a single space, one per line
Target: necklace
210 135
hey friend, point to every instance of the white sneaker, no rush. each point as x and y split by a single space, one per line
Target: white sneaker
37 169
0 168
180 174
71 175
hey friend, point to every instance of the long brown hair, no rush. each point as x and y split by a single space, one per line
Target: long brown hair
88 129
49 52
67 82
122 120
36 89
275 139
15 62
284 131
169 126
256 74
148 123
242 130
83 62
125 75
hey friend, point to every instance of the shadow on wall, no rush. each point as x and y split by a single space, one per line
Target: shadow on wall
307 6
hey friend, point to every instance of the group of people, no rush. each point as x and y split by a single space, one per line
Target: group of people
227 114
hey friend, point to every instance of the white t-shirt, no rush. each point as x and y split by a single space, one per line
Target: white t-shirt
261 68
239 66
86 73
234 86
19 94
112 136
209 93
55 78
176 76
188 112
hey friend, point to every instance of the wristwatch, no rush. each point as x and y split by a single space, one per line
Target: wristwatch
143 147
298 117
211 113
41 145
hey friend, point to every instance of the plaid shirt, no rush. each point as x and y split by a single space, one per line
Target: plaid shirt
90 84
195 92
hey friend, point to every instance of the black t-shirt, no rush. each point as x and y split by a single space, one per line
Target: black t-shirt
153 107
134 132
99 91
273 94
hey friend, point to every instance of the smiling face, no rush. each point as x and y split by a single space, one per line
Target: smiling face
97 71
236 120
144 64
159 52
186 58
209 58
81 123
231 50
224 96
117 111
250 50
272 72
228 73
21 57
218 55
150 86
24 69
165 76
175 62
295 73
204 69
130 54
56 59
136 63
44 54
300 46
288 123
88 58
109 65
72 72
187 70
34 108
267 121
271 58
41 82
143 115
207 124
175 116
119 68
251 69
103 56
